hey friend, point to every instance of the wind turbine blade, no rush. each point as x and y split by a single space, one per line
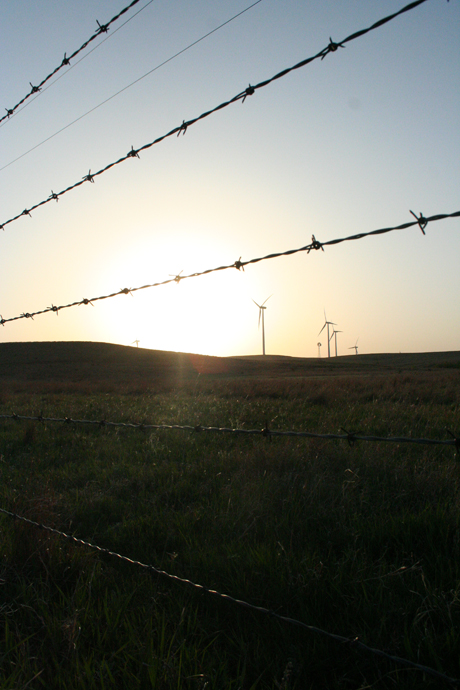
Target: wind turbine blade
257 305
260 314
322 329
266 300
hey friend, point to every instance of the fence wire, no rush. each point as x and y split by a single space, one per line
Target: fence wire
181 129
350 436
125 88
102 29
354 643
421 221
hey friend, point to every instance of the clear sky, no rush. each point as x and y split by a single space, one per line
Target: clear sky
344 145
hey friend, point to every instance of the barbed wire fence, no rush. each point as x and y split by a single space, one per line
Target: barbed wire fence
350 437
102 29
315 244
63 74
182 129
352 642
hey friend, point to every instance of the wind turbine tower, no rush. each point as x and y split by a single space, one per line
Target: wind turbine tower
334 334
261 316
137 342
327 323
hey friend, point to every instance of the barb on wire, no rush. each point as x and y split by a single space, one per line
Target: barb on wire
249 91
133 153
239 265
103 28
266 432
331 48
315 244
177 278
182 128
421 221
355 642
88 177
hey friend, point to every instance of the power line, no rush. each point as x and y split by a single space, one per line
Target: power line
422 222
102 29
249 91
354 643
125 88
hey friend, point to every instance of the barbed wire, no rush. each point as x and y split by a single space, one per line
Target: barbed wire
71 67
125 88
350 436
102 29
421 221
248 91
354 643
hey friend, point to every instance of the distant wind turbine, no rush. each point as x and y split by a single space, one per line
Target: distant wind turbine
334 333
137 342
354 347
327 323
261 315
319 349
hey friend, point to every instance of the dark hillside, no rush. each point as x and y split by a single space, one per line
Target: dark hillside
103 364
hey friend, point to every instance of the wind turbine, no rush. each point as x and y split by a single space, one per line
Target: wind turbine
319 349
355 347
137 342
334 333
261 315
327 323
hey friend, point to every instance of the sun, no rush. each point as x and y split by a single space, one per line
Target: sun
201 314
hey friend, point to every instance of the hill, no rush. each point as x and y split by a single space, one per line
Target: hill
104 364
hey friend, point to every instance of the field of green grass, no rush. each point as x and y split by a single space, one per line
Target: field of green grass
362 541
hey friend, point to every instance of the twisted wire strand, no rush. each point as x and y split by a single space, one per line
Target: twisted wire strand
351 437
354 643
249 91
314 245
103 28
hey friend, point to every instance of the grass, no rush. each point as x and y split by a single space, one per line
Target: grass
360 541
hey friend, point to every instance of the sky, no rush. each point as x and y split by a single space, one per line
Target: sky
344 145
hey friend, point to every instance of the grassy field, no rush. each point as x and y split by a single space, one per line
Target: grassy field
362 541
